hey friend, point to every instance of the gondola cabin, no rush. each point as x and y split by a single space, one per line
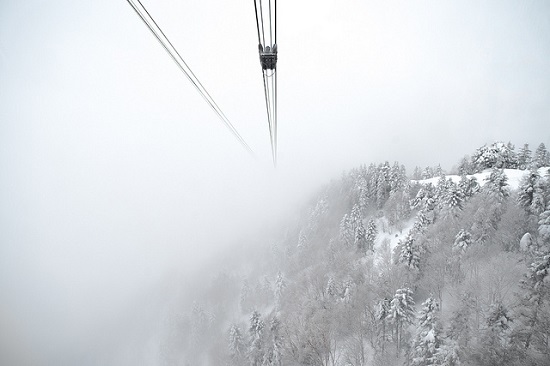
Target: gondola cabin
268 57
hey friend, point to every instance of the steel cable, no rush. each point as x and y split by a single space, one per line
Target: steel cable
186 70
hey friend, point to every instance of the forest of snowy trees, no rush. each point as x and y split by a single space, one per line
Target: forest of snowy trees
383 268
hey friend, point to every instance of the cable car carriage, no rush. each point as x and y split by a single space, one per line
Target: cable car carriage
268 57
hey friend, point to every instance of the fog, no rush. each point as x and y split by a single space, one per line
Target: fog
118 182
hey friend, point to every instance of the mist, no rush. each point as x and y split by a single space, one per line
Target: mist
120 191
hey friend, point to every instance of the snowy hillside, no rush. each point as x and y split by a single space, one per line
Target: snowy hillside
380 269
514 177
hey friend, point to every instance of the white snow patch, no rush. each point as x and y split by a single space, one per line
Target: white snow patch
391 236
514 177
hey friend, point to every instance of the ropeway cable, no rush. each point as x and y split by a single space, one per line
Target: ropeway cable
176 57
269 80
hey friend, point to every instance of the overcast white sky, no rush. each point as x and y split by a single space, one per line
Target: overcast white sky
112 167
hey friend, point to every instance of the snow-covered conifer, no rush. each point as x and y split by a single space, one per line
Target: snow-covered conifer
438 171
237 347
465 166
276 342
539 200
496 337
541 157
447 354
441 187
427 173
347 289
360 240
497 155
401 313
531 192
355 216
363 195
244 301
280 285
425 198
409 252
331 289
533 330
498 317
383 187
347 234
371 234
462 241
496 185
302 239
402 306
524 157
398 177
453 200
382 313
417 173
256 349
544 226
428 338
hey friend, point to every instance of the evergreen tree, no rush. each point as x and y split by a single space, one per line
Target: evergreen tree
371 234
347 288
526 189
462 326
383 187
331 288
544 227
447 354
534 317
468 186
496 185
398 177
495 156
363 196
274 347
382 314
438 171
401 313
524 157
237 347
280 285
256 349
427 173
498 318
465 167
277 342
542 157
539 199
463 185
423 219
495 348
409 252
428 338
355 217
425 198
417 173
511 161
244 301
453 200
462 241
347 234
360 238
441 188
302 239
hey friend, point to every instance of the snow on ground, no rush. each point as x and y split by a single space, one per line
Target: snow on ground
514 177
388 237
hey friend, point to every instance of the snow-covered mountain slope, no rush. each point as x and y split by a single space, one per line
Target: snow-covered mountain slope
514 177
